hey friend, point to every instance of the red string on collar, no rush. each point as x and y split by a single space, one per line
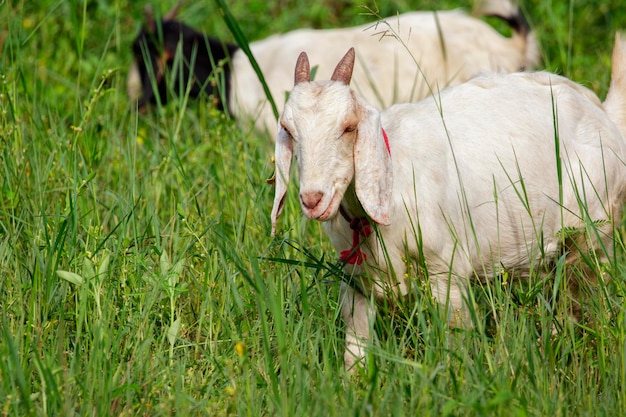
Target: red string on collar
360 227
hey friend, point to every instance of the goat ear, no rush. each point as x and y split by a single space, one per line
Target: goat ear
303 69
282 156
373 174
343 70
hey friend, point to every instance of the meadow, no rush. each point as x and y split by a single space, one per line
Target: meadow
138 275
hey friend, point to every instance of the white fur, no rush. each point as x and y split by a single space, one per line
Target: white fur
401 59
474 168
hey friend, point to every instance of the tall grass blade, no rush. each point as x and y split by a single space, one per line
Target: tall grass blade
242 41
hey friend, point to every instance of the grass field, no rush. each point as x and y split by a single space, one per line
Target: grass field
134 271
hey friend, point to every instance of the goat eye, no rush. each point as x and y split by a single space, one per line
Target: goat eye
349 129
286 129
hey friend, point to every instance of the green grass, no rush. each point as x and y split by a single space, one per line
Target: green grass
135 256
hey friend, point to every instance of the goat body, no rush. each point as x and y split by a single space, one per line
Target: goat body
402 58
469 184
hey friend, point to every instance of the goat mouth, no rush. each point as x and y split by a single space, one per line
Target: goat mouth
322 212
330 211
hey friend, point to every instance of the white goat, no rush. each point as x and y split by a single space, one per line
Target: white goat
468 179
402 58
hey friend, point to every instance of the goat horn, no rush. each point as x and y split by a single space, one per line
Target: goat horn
303 69
171 15
343 71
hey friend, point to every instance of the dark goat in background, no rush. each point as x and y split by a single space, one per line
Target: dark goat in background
155 49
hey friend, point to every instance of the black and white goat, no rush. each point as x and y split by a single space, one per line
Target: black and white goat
465 182
402 58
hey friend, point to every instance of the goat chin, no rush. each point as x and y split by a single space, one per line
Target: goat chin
324 211
472 180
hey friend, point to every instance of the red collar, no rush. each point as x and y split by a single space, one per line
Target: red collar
360 227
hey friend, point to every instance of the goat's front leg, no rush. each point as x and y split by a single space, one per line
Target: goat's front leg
451 294
358 313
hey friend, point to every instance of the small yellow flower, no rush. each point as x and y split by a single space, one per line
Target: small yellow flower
141 136
240 348
230 390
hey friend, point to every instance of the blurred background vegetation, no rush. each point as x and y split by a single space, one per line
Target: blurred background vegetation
70 41
164 222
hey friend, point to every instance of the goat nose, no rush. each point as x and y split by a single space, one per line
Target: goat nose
311 199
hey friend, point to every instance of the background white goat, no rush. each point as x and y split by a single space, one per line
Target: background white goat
401 58
475 170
